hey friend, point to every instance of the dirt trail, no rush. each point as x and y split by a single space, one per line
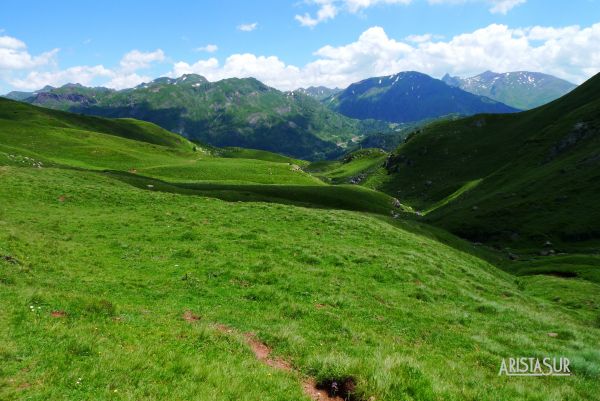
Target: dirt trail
262 352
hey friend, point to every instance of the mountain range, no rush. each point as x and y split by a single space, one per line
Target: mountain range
230 112
408 97
312 123
522 89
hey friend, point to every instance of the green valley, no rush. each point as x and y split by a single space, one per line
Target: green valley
135 263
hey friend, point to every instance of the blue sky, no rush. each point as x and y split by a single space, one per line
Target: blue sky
293 43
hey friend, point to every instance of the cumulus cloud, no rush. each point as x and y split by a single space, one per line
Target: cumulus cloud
568 52
14 55
137 60
267 69
208 48
84 75
248 27
426 37
125 76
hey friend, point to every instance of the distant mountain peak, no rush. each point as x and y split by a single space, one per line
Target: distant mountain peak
318 92
410 96
521 89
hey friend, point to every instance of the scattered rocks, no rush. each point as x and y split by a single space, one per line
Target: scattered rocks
357 179
396 203
553 335
150 186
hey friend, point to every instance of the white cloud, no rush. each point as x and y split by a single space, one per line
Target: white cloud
568 52
136 60
357 5
248 27
427 37
328 9
496 6
14 58
14 55
270 70
122 81
84 75
208 48
504 6
326 12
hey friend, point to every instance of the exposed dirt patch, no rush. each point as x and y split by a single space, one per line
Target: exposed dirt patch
339 389
58 313
62 198
190 317
311 388
262 352
329 390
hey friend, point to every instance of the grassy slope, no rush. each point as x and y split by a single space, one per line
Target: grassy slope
65 139
362 166
539 174
337 293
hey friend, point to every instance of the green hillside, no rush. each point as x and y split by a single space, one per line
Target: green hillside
230 112
527 181
158 269
40 137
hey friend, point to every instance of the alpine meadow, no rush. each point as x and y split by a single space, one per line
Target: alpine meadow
318 200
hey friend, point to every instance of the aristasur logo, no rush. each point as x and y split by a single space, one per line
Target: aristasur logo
529 366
